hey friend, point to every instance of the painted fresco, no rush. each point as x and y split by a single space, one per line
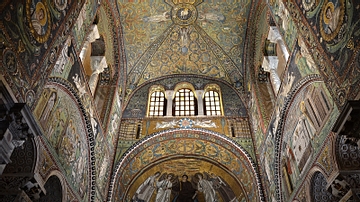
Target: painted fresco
188 143
63 131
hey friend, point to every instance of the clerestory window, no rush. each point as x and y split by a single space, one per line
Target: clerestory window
157 102
185 103
212 103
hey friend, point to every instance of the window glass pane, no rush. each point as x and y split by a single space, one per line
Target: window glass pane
212 103
185 102
157 101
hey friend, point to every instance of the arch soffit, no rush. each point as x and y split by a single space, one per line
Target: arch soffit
69 89
241 157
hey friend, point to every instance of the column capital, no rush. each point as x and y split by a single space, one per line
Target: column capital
94 34
98 64
274 34
169 94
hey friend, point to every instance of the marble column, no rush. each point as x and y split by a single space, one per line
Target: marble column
275 37
270 64
200 102
98 65
169 96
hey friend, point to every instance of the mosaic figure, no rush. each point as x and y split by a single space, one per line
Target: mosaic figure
186 191
164 189
39 18
207 188
146 189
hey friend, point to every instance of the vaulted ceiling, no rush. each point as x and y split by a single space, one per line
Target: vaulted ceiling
184 37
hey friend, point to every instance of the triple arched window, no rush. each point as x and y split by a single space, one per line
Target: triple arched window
184 100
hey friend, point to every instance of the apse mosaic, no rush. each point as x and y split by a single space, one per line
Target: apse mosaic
192 143
62 129
201 176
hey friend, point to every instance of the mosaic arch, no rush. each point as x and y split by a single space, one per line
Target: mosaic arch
62 134
193 151
280 130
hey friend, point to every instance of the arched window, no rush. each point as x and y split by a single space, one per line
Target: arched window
185 102
212 103
157 102
212 100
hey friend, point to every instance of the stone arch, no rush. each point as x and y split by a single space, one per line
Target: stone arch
54 188
318 186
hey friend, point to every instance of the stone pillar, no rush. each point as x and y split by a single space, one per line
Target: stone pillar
270 64
98 65
169 96
200 102
275 37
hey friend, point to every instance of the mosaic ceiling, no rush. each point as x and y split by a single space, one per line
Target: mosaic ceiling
184 37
